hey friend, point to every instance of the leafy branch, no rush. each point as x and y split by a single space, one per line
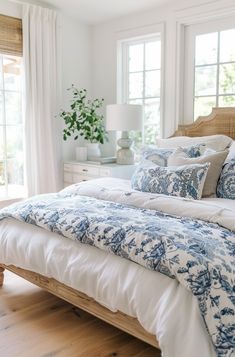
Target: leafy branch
82 118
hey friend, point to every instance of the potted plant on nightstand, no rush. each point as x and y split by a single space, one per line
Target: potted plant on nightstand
83 120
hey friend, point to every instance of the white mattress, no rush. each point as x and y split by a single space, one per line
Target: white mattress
162 306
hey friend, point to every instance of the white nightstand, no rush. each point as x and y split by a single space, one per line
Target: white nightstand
83 171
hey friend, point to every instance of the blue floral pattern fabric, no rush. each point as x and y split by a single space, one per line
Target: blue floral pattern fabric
200 255
159 156
183 181
226 183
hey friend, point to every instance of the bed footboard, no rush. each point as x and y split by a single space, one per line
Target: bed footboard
1 275
118 319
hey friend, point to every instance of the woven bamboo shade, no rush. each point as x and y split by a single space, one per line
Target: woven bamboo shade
11 36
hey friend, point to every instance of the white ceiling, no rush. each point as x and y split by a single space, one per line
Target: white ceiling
97 11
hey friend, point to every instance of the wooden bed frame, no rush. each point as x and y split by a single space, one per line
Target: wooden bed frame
220 121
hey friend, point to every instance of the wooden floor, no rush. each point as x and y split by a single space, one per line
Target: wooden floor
35 323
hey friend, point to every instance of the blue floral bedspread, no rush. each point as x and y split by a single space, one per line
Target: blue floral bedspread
200 255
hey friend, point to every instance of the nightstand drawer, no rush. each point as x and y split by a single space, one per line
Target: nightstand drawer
75 172
80 178
68 167
105 172
86 170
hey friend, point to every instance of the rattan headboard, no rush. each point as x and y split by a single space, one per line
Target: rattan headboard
220 121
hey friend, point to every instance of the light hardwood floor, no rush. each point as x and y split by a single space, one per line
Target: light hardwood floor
34 323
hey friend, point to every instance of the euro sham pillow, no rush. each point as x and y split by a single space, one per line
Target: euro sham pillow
215 142
216 161
226 183
159 156
185 181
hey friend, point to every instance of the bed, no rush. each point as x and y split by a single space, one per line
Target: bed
116 290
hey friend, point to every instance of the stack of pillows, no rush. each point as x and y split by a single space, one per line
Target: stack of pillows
188 167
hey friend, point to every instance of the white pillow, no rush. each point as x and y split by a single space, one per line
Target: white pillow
216 160
231 153
215 142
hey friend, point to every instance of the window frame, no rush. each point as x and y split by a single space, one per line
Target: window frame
190 33
122 65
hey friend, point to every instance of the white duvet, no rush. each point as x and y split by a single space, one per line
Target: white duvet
162 306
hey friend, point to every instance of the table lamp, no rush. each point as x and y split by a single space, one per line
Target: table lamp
124 117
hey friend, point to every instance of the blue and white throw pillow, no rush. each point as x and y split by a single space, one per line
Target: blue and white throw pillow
159 156
184 181
226 183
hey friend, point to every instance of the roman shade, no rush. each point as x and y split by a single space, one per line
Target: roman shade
11 36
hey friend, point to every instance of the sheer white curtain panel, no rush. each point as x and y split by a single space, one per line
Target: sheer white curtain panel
40 52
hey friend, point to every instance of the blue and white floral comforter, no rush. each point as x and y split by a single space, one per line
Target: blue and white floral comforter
199 254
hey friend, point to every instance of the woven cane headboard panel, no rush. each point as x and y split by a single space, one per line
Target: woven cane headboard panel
220 121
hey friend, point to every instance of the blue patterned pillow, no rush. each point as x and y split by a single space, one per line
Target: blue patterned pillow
159 156
226 183
184 181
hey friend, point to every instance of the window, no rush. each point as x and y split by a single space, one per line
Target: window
11 128
11 124
141 83
213 67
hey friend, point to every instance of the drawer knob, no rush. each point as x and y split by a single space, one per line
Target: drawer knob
84 170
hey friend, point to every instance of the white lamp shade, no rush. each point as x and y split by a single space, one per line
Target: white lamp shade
124 117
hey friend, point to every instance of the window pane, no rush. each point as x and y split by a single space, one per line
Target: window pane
137 138
152 83
227 46
227 78
203 106
152 120
136 85
136 58
13 108
206 48
15 177
14 137
153 55
11 68
227 101
1 107
1 82
205 80
2 179
1 143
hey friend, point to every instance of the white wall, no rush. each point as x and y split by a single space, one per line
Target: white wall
105 38
76 66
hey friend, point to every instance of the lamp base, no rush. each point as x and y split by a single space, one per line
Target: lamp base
125 157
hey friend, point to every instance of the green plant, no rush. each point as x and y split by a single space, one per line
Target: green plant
82 118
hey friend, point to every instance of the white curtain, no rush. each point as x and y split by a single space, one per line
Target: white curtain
41 93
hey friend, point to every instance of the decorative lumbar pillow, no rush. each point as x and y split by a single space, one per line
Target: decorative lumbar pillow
184 181
226 184
215 142
216 160
159 156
